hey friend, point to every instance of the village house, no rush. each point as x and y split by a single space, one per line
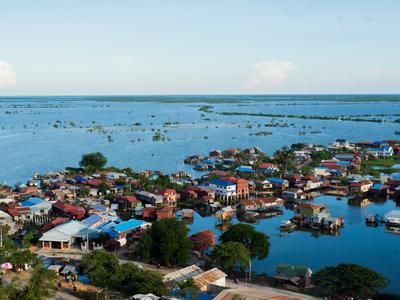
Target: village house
231 152
203 280
383 151
310 185
224 213
38 207
203 240
170 197
223 189
278 183
310 209
260 204
149 213
242 186
294 194
128 202
291 275
360 187
165 213
211 277
125 231
64 209
65 236
95 220
18 212
342 143
53 223
263 185
150 198
268 168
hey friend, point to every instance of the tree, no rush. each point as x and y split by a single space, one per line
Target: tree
285 157
231 256
99 264
104 270
103 188
350 280
130 279
256 242
42 284
166 242
93 161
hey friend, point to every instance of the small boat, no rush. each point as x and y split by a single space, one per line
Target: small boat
287 226
373 219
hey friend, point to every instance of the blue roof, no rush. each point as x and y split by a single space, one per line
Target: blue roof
276 180
245 169
92 219
129 225
350 156
209 161
80 179
343 163
222 182
99 207
378 186
32 201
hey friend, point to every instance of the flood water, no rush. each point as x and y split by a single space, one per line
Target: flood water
49 133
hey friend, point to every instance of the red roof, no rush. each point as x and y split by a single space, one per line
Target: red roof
69 209
130 199
267 165
19 210
54 223
95 182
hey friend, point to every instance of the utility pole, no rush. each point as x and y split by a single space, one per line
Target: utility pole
1 237
87 241
250 270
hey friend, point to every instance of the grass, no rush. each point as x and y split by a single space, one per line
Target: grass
384 162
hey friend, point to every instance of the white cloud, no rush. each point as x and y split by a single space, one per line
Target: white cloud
269 73
7 75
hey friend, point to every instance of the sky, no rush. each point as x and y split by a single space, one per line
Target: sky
96 47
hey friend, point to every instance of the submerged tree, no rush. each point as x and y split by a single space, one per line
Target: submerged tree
256 242
350 280
93 161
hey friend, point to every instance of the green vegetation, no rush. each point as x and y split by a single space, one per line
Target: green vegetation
93 161
206 108
165 242
384 162
231 256
104 270
41 285
350 280
256 242
367 166
286 158
305 117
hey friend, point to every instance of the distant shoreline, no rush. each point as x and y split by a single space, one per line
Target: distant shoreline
216 99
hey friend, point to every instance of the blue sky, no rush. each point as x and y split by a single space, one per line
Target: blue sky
199 47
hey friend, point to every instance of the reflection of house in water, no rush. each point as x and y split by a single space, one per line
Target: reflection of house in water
355 201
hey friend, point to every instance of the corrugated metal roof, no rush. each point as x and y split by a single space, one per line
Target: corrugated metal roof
208 277
183 274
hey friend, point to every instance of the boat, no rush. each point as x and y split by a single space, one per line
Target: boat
287 225
373 219
392 218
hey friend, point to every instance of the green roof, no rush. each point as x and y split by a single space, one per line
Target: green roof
290 271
